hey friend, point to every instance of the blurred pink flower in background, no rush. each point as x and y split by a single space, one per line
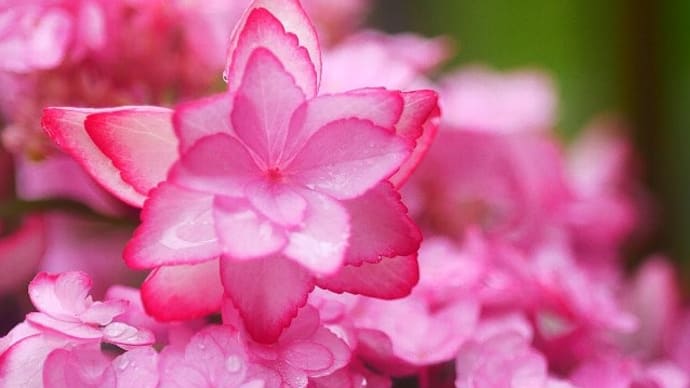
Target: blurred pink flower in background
273 216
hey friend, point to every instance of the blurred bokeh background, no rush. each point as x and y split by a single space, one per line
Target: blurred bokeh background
628 58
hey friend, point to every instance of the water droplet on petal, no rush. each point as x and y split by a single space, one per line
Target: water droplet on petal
225 76
233 364
123 364
115 329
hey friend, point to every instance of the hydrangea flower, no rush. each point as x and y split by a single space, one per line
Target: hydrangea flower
289 189
61 342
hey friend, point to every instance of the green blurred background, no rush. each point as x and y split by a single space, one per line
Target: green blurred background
626 57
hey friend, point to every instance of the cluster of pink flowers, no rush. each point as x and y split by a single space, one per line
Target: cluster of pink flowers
281 219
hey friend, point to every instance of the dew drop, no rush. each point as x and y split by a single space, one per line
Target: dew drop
115 329
233 364
225 76
123 365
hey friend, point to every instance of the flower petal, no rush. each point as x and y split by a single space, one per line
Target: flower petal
217 164
391 278
66 328
63 295
22 363
419 123
380 106
66 127
264 104
183 292
320 243
140 141
281 203
267 293
83 366
348 157
137 368
380 226
196 119
122 334
282 27
177 228
245 233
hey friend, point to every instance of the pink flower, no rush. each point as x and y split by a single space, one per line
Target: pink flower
482 100
88 366
305 350
290 189
502 360
60 344
393 61
606 209
41 34
612 371
214 357
472 179
65 307
653 295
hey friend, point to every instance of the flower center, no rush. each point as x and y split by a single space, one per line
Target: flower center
274 175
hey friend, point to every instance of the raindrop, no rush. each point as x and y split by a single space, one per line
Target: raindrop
225 76
123 365
233 364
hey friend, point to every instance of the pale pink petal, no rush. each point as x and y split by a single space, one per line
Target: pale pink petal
21 253
22 364
280 202
60 295
177 228
33 37
333 163
308 356
394 61
219 350
196 119
303 326
264 104
122 334
391 278
380 106
339 350
67 328
217 164
283 27
65 126
19 332
310 347
183 292
320 244
419 123
267 292
176 372
481 99
374 347
102 313
243 232
380 226
137 368
502 361
214 357
84 366
140 141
